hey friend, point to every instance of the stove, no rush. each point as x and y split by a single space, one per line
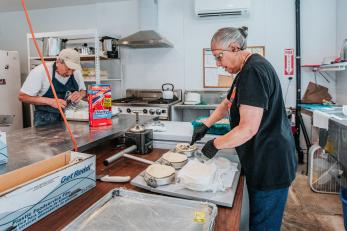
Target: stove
147 102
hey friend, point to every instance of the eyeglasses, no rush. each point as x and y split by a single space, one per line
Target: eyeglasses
220 55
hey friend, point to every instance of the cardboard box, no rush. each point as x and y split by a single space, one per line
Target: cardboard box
30 193
3 148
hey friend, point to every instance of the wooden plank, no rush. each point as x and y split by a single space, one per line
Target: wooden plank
227 218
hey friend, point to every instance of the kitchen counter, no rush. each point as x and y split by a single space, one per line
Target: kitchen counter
178 131
196 106
227 218
30 145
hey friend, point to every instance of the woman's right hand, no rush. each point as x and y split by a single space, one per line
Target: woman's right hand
199 133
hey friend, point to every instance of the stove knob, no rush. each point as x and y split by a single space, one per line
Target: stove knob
128 110
158 111
163 111
145 111
151 111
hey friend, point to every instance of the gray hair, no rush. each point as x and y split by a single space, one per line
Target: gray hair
225 36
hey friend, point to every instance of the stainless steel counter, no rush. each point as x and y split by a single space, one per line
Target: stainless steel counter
196 107
30 145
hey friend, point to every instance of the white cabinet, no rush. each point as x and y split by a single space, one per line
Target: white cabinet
9 88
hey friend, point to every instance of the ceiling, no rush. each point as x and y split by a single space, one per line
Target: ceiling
11 5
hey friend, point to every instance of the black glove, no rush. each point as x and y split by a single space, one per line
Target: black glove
199 133
209 150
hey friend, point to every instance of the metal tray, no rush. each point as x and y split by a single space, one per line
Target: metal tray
126 210
220 198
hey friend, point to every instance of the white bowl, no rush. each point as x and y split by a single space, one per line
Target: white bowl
191 102
344 110
192 97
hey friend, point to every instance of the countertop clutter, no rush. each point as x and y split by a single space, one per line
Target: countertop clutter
102 142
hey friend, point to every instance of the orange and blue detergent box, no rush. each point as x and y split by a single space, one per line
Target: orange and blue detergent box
100 105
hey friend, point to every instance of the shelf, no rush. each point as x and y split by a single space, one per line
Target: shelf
83 58
328 67
105 80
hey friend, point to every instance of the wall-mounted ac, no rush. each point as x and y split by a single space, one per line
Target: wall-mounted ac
221 8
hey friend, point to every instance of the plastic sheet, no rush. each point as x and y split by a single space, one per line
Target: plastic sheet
214 175
125 210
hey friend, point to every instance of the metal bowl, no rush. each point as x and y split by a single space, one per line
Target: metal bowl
175 165
155 181
188 152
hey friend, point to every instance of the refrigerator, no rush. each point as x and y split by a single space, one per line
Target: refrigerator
10 84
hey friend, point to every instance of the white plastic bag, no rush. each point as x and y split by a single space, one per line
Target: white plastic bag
214 175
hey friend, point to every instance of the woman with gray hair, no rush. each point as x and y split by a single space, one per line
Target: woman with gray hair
260 131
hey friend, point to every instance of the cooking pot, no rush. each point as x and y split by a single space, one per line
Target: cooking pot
154 182
175 164
52 46
167 90
185 148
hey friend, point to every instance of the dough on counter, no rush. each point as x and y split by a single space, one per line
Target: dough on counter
185 147
160 171
174 157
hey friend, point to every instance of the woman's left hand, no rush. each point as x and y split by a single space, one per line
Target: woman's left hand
209 150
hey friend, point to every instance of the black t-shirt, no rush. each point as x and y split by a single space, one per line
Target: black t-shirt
268 159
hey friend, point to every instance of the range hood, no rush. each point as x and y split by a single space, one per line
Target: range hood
147 37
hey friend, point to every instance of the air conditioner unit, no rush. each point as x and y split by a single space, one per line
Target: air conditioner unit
219 8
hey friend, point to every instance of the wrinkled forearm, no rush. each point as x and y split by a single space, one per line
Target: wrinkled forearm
236 137
218 114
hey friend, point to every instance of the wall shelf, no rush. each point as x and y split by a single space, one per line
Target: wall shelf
83 58
327 67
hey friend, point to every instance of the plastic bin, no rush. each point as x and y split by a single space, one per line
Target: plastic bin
216 129
343 196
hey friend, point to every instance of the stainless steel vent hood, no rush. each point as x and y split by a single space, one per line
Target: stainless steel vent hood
147 37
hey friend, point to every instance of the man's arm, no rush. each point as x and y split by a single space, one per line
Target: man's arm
77 96
218 114
250 119
39 100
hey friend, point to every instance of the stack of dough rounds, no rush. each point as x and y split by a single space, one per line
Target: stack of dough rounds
160 171
174 157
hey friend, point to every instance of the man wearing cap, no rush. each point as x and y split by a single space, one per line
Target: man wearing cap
66 77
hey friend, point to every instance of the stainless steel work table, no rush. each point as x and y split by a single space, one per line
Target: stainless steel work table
30 145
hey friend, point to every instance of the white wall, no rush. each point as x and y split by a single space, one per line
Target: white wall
341 77
119 17
271 23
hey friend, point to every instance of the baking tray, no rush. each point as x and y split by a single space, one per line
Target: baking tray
126 210
220 198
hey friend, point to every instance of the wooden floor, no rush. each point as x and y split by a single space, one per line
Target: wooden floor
307 210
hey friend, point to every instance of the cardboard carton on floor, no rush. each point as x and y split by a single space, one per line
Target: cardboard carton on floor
3 148
30 193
